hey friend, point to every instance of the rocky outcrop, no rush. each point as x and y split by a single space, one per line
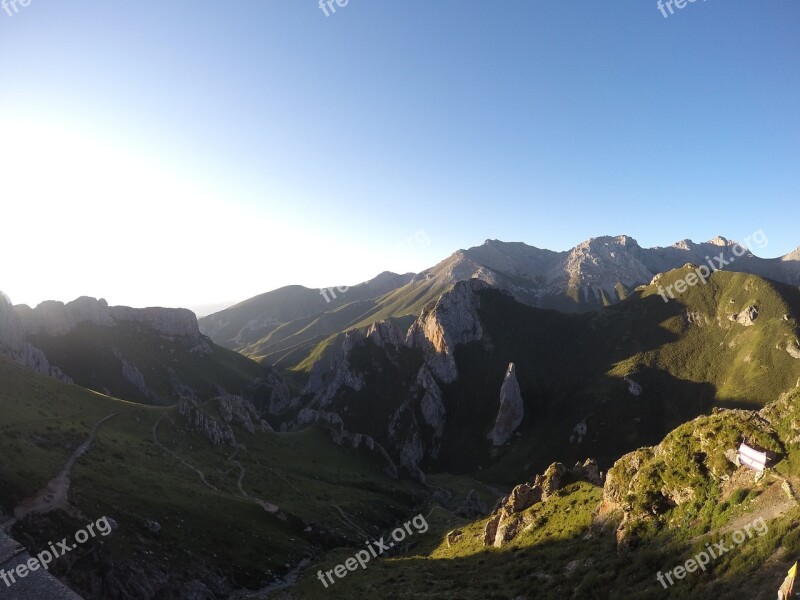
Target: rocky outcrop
451 321
386 333
56 318
550 481
343 373
490 530
34 359
241 412
406 439
12 343
588 471
199 422
509 516
134 376
432 404
509 417
12 334
793 349
747 317
279 397
172 322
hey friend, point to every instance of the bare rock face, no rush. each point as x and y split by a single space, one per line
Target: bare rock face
524 496
172 322
507 528
490 531
343 373
793 349
56 318
511 410
386 333
747 317
134 376
405 437
34 359
550 482
237 410
279 399
451 321
12 334
200 422
432 404
588 471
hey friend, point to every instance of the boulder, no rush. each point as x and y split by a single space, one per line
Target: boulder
490 531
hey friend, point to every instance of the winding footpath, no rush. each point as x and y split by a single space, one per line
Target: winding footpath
55 495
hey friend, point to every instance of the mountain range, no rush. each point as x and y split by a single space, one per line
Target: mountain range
237 456
285 326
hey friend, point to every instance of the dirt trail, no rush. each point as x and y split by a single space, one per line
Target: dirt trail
178 458
346 520
55 494
267 506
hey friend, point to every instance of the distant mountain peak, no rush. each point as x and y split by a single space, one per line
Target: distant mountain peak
720 241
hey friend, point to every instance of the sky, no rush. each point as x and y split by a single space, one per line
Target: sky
197 153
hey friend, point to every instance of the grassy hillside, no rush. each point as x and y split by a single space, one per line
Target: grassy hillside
569 545
325 494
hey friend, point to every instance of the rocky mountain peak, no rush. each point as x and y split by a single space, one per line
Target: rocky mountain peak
451 321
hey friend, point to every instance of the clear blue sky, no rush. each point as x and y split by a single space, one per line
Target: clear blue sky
183 153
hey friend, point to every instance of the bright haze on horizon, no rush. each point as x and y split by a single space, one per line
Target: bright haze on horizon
195 155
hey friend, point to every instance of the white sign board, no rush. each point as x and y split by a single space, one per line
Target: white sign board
752 458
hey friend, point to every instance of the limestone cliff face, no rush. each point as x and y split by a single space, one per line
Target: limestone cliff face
432 403
174 322
453 320
34 359
406 439
386 333
56 318
343 373
198 421
242 412
511 410
12 343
